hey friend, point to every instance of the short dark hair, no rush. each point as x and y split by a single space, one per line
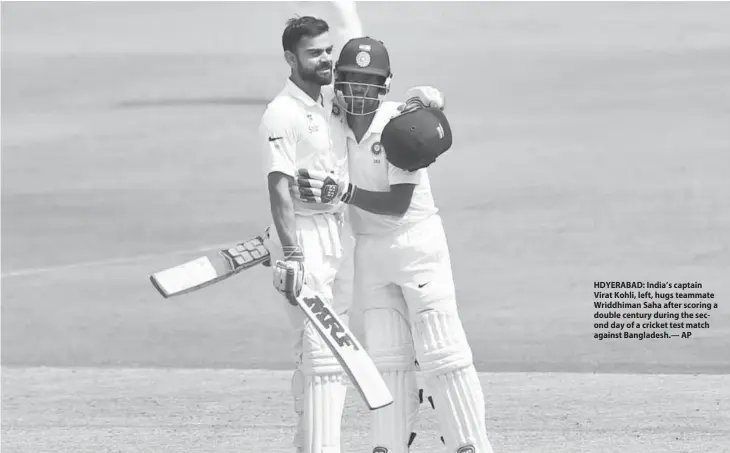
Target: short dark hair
300 27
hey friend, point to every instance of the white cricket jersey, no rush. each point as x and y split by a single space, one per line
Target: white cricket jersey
370 170
299 132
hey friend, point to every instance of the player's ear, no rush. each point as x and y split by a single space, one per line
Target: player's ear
290 58
386 84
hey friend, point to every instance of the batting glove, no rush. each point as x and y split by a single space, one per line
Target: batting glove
289 273
313 186
423 96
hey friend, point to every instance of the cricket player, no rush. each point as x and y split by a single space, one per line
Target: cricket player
295 131
403 276
304 127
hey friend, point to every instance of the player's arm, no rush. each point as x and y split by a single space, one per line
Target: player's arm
282 207
395 202
320 187
278 138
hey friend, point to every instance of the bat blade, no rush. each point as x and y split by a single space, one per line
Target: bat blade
210 268
351 355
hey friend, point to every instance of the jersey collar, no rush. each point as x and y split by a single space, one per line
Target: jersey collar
297 93
380 120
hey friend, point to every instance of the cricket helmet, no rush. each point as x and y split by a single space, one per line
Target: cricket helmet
363 56
416 138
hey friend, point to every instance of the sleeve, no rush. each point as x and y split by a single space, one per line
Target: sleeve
278 141
398 176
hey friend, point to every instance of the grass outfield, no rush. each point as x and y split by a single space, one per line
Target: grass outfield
138 410
591 144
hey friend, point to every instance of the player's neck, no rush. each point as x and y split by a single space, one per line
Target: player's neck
312 90
359 124
360 120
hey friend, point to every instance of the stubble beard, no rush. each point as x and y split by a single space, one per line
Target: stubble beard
312 76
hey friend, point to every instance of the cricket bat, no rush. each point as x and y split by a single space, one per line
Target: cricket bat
353 358
348 351
210 268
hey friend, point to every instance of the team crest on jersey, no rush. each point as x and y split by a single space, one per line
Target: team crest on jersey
335 110
380 450
466 449
377 148
362 59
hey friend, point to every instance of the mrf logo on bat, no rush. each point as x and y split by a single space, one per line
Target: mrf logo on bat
329 322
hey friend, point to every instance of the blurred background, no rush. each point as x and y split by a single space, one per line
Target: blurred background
591 144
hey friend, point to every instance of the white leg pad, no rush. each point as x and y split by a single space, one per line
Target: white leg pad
445 359
297 389
320 389
389 343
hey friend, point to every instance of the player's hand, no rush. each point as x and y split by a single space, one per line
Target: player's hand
339 101
313 186
289 273
423 96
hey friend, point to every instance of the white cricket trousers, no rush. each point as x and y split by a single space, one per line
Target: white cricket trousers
404 288
319 383
406 269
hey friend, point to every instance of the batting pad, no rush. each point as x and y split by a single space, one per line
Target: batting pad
324 402
322 389
389 343
446 361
